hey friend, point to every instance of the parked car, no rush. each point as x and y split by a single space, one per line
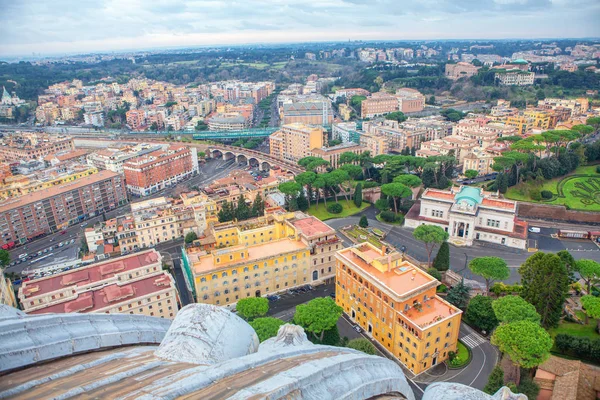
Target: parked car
332 295
357 328
63 232
533 229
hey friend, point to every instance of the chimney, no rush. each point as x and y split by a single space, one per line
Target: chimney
389 259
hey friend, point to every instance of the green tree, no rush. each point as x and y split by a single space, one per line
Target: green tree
201 154
4 258
396 116
252 307
290 190
348 157
591 306
490 269
358 197
242 211
569 263
396 191
362 344
502 182
319 184
471 173
435 273
409 180
589 270
525 342
430 235
363 223
545 285
495 380
593 122
258 206
337 178
441 262
266 327
514 308
154 127
201 126
459 295
317 316
190 237
355 171
306 179
226 213
481 314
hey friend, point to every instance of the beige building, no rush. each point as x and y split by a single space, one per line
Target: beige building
295 141
379 103
410 100
133 284
375 144
7 293
159 220
332 154
480 161
460 70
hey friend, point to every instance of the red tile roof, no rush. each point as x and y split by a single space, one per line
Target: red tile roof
439 194
509 205
312 226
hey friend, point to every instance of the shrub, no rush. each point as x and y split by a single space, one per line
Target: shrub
495 381
529 388
546 194
363 223
580 347
501 289
370 184
442 288
535 194
598 169
435 273
390 216
335 208
405 205
382 205
363 345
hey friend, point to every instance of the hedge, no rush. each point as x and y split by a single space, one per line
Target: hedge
580 347
335 208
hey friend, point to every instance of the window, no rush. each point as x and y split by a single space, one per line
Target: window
246 269
224 274
214 276
202 279
234 272
255 267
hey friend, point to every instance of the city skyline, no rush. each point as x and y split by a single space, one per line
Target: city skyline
125 25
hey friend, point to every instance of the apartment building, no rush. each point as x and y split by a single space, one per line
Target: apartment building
460 70
396 304
160 220
410 100
577 106
522 123
514 77
469 214
55 208
480 161
375 144
155 171
264 249
310 113
136 119
230 121
113 159
94 118
346 132
295 141
133 284
332 154
379 103
31 146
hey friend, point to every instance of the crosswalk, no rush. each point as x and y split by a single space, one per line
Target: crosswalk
472 340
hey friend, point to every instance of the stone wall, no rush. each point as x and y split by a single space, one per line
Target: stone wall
556 213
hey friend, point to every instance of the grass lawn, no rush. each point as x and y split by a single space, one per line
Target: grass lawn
463 356
279 65
348 209
575 329
579 190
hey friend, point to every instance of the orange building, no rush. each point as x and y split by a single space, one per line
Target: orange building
379 103
135 118
396 304
155 171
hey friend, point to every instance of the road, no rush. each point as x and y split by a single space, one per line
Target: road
460 256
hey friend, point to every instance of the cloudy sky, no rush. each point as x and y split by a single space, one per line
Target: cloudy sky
68 26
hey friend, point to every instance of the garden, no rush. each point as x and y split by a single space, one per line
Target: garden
345 209
359 235
577 191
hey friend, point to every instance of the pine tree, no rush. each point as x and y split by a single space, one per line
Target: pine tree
428 177
459 295
243 211
502 182
358 195
442 259
363 223
385 178
302 202
258 206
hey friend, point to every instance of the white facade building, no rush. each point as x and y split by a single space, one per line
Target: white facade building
470 214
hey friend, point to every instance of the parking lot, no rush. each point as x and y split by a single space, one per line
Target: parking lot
58 252
285 306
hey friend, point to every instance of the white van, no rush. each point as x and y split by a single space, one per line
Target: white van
534 230
22 256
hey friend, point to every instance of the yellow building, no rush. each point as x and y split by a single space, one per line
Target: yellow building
479 161
375 144
263 241
297 140
237 272
345 112
522 123
396 304
542 119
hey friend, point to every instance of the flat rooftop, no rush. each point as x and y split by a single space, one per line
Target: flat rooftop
433 310
312 226
90 274
400 280
206 263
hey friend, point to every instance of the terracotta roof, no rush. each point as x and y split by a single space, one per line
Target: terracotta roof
312 226
506 204
562 379
439 194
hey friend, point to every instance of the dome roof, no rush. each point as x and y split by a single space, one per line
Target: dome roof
470 195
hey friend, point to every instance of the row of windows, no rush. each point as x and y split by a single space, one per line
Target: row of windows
224 274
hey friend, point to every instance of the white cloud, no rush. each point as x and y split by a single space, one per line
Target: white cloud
94 25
